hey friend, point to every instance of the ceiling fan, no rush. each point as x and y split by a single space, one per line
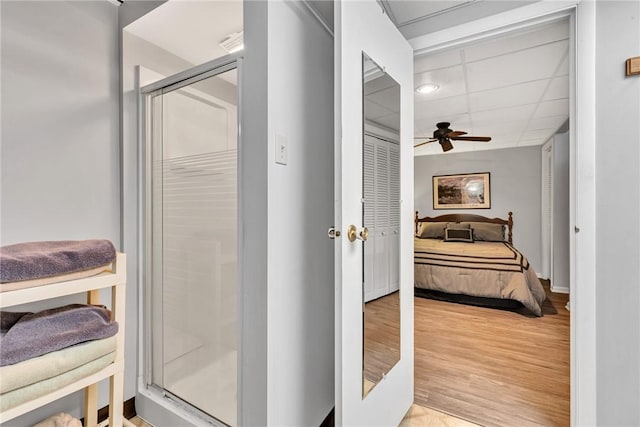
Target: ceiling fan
444 136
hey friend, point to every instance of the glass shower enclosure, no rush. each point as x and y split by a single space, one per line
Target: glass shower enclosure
191 211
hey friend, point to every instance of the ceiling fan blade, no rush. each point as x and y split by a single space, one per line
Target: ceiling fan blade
425 142
455 133
424 137
472 138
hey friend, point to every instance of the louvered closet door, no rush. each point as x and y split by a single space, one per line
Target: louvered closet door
369 215
394 218
381 259
381 201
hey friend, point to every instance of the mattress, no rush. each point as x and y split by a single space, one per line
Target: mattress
479 269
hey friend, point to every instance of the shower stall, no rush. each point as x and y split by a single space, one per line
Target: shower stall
191 240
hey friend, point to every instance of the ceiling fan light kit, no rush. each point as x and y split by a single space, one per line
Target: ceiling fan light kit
446 145
444 136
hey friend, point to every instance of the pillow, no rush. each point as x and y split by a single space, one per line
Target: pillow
487 231
458 225
458 235
431 230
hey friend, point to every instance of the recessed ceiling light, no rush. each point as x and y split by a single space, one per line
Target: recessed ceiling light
427 88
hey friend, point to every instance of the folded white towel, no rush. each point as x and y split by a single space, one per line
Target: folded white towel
60 420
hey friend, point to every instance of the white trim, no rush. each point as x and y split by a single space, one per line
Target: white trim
582 177
582 215
546 210
522 17
560 289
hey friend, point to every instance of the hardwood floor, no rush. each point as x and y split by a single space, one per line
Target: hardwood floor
381 336
494 367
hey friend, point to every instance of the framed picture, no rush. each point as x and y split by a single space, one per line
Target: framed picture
465 191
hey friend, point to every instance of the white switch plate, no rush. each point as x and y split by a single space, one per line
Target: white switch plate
282 149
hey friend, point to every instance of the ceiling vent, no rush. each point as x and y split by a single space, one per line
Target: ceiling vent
233 42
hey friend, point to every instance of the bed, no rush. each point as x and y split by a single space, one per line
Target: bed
471 259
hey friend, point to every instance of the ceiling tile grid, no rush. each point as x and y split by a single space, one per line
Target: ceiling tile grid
513 88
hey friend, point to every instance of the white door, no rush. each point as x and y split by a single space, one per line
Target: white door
361 27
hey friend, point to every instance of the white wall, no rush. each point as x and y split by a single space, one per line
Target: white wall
60 164
300 210
617 215
515 187
561 232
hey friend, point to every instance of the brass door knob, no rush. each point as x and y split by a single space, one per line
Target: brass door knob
353 233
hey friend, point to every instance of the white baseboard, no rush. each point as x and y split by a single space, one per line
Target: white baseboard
560 289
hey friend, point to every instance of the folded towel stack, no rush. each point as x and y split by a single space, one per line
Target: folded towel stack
37 260
60 420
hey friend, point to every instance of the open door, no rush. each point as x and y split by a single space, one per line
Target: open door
374 216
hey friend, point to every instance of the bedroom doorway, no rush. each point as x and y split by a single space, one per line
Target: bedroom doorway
191 286
442 48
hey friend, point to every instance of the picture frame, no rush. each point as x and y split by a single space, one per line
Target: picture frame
462 191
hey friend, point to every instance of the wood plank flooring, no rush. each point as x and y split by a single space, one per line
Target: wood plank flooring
488 366
494 367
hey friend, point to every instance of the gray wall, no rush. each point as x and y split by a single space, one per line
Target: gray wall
617 213
515 186
60 165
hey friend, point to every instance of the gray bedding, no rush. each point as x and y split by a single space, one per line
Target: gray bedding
35 260
480 269
28 335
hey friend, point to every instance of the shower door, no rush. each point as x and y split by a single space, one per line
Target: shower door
192 242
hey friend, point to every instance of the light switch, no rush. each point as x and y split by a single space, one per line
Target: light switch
282 149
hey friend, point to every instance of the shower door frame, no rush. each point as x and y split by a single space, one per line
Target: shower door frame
146 95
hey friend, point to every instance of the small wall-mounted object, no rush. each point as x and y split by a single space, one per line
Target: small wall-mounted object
633 66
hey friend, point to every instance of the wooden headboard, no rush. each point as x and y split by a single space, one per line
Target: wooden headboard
468 218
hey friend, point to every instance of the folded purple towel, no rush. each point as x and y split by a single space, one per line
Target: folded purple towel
35 334
36 260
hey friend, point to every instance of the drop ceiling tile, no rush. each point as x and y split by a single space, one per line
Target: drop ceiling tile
436 61
503 115
555 107
559 88
443 107
405 11
388 98
373 110
523 66
553 122
525 93
450 81
379 83
563 70
535 141
499 129
518 41
537 134
392 121
428 149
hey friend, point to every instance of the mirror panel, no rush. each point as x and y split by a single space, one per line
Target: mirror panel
381 215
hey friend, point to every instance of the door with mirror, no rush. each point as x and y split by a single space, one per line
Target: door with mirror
381 217
374 210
